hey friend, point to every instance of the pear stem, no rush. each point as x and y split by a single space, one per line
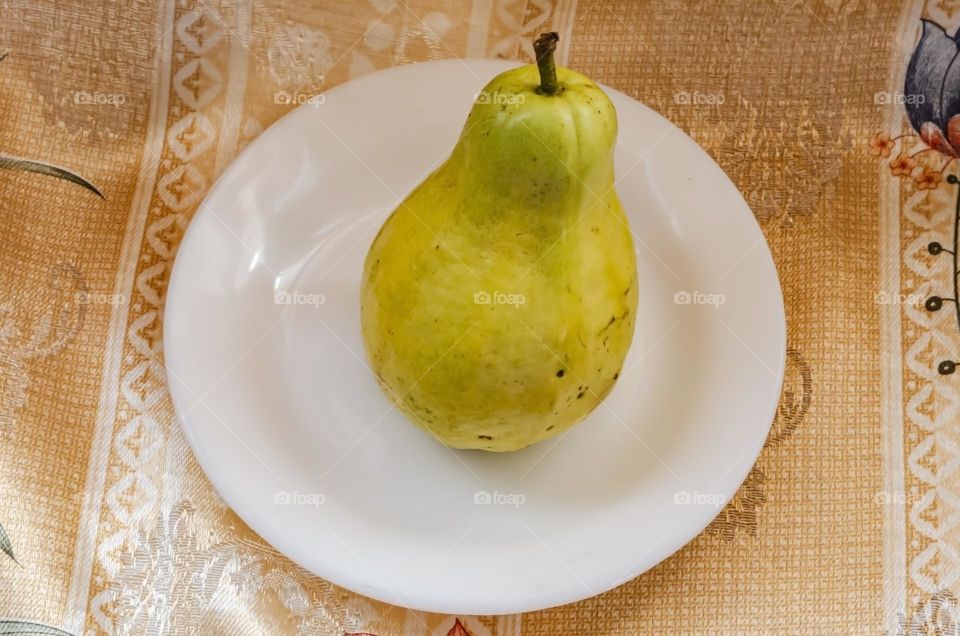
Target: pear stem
544 48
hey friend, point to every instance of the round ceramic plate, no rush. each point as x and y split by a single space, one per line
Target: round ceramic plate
269 377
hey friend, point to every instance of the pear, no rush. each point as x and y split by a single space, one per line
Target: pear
498 300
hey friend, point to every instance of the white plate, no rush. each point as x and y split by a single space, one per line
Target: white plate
292 429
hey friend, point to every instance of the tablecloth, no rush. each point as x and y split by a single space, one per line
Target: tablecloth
118 116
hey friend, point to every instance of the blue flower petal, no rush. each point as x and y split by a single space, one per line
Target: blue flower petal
929 66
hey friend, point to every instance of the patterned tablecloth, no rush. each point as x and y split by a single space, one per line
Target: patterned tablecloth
850 520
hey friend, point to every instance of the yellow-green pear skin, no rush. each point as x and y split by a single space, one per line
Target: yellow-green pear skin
498 300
